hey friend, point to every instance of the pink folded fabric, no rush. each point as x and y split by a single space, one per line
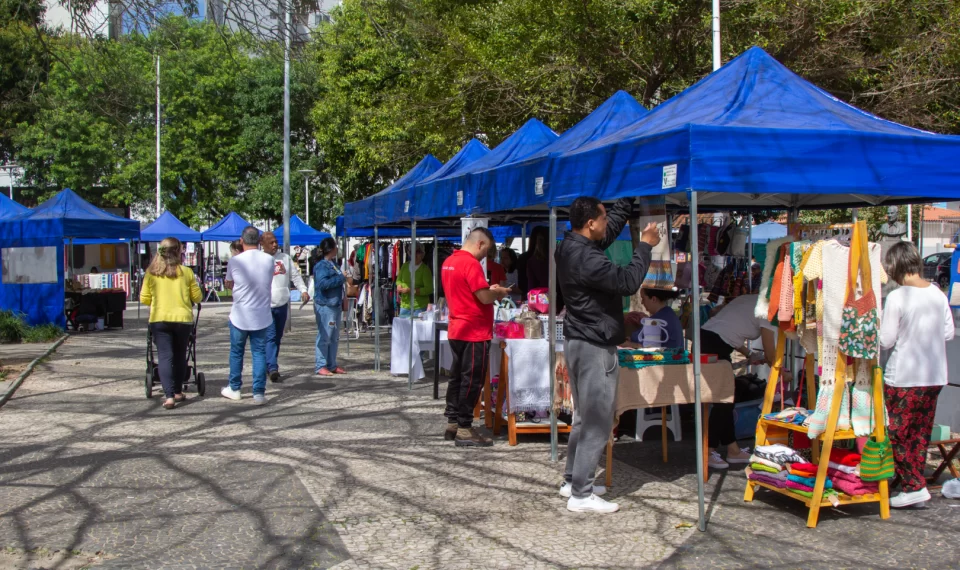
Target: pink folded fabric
797 486
855 488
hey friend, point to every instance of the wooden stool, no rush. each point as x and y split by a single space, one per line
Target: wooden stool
946 462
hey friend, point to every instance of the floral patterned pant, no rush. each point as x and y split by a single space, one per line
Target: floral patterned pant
911 412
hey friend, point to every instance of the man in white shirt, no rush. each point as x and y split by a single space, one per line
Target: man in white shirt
285 272
250 276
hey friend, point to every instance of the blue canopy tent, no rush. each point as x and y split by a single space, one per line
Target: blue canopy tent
397 196
362 214
767 231
755 135
522 183
65 217
227 229
167 225
452 196
9 208
300 233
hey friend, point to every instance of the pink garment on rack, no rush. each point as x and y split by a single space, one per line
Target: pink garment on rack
785 314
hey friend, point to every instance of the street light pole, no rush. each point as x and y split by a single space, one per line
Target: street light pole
306 193
286 128
9 168
158 135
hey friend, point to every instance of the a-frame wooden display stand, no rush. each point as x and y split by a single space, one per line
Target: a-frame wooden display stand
821 445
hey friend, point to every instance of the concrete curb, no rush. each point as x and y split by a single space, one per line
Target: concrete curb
23 375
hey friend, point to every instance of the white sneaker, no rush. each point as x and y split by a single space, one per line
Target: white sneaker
259 399
905 499
566 490
230 393
592 504
951 489
717 462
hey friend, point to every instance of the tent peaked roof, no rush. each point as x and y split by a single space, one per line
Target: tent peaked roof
620 110
397 197
9 208
300 233
362 213
227 229
755 135
67 216
515 186
754 90
453 196
470 153
528 139
168 225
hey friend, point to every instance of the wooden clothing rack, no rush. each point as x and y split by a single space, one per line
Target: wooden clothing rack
822 444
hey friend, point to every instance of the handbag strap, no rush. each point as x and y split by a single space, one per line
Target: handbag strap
859 262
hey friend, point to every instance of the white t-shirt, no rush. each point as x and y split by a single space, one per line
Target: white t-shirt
916 324
285 272
252 276
736 323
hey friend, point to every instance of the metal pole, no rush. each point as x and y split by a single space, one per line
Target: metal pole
346 260
698 409
750 253
306 199
523 238
286 129
158 138
909 220
716 35
552 328
922 212
436 277
376 299
413 288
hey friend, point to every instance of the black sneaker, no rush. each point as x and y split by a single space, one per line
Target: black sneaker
275 377
450 433
470 437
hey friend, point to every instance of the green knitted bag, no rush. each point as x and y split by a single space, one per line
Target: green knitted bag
876 461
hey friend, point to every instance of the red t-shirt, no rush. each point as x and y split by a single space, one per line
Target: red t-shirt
497 274
470 320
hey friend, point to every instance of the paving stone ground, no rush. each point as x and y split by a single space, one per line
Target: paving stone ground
352 472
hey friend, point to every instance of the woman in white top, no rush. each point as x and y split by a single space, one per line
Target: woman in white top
916 326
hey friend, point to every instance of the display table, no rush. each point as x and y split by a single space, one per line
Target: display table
524 366
423 340
106 305
660 386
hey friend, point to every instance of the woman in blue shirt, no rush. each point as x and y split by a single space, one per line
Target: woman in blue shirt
327 307
657 304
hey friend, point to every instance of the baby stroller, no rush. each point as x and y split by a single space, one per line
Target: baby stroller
193 377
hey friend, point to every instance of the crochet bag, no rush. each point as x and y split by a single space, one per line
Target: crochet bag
860 324
876 461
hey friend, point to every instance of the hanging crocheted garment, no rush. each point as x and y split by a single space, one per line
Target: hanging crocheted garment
862 414
769 266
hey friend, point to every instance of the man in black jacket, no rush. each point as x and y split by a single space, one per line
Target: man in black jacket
593 288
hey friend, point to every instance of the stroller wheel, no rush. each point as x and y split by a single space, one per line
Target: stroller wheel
201 384
148 383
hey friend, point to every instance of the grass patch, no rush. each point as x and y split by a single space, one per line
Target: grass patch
14 329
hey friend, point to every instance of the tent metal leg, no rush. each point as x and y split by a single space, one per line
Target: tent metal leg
436 275
413 283
552 328
523 238
695 294
376 299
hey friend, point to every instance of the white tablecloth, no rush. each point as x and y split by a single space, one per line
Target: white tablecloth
422 342
529 371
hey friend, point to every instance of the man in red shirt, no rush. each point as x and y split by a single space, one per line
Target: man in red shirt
469 332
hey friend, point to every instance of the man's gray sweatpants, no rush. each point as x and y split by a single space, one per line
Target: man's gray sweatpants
594 372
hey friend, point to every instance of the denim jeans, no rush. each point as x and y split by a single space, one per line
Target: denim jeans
258 349
274 335
328 336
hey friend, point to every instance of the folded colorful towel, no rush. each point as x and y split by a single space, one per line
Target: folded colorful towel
807 494
762 467
808 481
801 472
845 457
773 465
798 486
765 478
786 455
855 488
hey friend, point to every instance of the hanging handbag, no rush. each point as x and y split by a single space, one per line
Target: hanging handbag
860 323
876 461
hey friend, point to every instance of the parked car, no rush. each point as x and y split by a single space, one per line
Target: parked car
936 268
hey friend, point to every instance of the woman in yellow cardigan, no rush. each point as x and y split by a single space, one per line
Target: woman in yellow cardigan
171 291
